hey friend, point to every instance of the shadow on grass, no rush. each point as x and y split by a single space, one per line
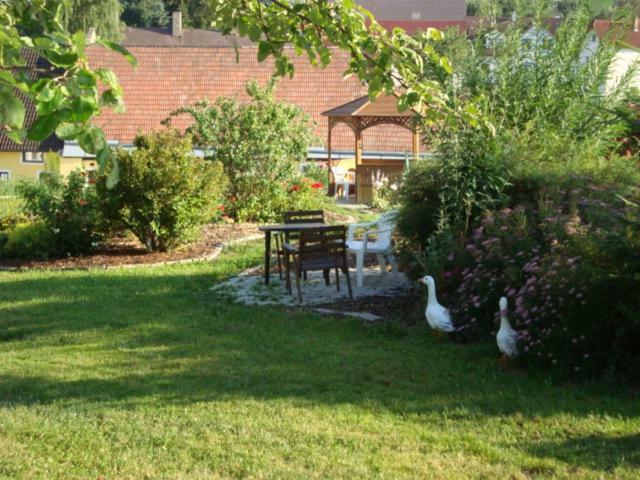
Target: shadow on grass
594 451
161 336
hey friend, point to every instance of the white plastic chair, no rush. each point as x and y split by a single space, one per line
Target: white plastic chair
340 177
382 246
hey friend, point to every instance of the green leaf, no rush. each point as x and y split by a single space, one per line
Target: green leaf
112 99
17 136
46 94
52 104
83 108
79 40
11 109
103 157
7 78
255 32
264 50
44 126
86 78
405 102
114 174
119 49
107 76
61 59
91 140
68 131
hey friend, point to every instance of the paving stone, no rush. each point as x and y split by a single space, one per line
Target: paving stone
366 316
248 288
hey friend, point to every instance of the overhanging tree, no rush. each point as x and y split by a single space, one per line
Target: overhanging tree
66 92
391 62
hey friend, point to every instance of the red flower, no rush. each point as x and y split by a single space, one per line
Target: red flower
295 188
82 202
317 185
221 208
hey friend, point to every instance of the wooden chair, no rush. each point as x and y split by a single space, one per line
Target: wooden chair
293 217
323 248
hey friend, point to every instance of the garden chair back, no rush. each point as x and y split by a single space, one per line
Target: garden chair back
377 240
295 217
341 180
304 216
322 248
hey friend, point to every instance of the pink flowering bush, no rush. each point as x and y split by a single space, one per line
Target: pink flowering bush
569 266
578 310
491 263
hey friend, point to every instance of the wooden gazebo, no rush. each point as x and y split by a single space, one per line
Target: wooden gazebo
361 114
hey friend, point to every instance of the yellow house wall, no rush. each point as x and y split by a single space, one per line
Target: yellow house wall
12 161
69 164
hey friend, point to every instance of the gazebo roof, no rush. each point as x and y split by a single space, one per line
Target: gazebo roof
383 105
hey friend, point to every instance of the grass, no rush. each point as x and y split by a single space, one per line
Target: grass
359 214
144 373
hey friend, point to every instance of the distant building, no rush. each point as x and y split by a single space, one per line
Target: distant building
627 56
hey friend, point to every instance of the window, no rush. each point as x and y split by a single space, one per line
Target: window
5 175
32 157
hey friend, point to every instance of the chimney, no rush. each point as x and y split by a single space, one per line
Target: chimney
176 24
91 36
636 24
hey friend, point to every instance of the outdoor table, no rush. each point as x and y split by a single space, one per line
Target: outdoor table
285 228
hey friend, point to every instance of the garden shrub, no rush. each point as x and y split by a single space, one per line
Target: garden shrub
440 199
28 241
316 172
569 265
304 194
261 145
68 209
10 220
164 193
492 260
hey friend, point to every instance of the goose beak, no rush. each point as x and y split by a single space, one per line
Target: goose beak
422 281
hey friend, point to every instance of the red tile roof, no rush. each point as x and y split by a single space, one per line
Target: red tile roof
624 34
169 78
50 144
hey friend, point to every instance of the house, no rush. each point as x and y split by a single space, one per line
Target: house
418 15
29 159
628 54
178 67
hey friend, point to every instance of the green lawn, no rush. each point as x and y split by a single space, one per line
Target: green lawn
145 374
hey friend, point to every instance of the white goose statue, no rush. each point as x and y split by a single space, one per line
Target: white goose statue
507 336
438 317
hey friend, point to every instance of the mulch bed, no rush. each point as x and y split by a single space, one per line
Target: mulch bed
128 251
408 309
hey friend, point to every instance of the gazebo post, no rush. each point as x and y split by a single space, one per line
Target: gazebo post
363 113
415 144
358 149
329 164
